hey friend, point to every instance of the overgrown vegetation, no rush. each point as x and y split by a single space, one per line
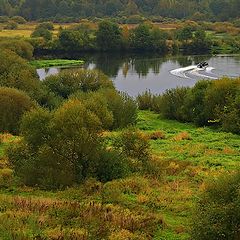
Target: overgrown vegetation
207 103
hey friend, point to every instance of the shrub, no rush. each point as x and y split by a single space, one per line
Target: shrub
97 103
13 104
18 19
45 25
42 32
194 103
58 148
145 100
15 72
70 81
172 102
112 165
221 100
20 47
217 212
11 25
123 107
134 144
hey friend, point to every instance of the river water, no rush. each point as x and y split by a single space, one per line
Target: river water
137 73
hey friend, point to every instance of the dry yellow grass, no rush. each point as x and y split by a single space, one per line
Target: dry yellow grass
182 136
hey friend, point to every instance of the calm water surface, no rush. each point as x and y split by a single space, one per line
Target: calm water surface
135 74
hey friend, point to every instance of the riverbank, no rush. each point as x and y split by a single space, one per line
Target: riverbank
55 63
184 158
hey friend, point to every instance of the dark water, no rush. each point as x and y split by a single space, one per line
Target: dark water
137 73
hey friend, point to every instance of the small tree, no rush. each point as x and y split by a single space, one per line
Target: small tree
13 104
109 36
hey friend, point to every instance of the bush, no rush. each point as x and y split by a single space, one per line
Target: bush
172 102
20 47
70 81
145 100
15 72
13 104
134 144
42 32
11 25
18 19
45 25
112 165
194 103
58 149
217 215
123 107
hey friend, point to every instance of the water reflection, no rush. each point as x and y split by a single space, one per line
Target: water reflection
136 73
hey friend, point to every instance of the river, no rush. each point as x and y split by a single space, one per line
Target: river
137 73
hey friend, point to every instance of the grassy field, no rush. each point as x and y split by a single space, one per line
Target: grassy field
154 206
55 62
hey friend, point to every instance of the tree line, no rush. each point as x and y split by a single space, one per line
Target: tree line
58 9
109 36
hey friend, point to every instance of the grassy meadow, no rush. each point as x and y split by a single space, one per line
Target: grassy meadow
153 206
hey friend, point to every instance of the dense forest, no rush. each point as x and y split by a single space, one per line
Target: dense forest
214 10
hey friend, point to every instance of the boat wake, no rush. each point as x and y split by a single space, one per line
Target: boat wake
194 71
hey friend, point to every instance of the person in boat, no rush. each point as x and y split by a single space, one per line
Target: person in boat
202 64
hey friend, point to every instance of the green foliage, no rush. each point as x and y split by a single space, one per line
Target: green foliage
58 149
18 19
13 104
123 107
11 25
134 144
112 165
55 62
70 81
207 103
78 38
42 32
20 47
45 25
217 213
15 72
172 102
109 36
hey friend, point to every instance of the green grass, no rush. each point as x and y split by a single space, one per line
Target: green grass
55 63
159 203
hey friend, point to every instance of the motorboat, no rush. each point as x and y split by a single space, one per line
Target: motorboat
202 65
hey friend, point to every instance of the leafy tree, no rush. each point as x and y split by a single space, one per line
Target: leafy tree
20 47
42 32
184 34
109 36
13 104
15 72
140 38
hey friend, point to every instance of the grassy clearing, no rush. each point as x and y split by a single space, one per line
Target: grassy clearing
55 62
154 206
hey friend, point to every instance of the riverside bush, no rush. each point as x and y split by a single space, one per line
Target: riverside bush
64 147
70 81
207 103
22 48
13 104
